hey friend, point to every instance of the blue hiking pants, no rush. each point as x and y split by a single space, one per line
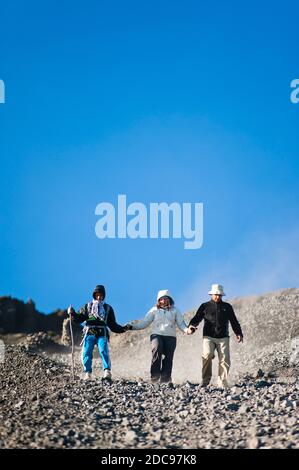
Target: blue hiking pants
88 346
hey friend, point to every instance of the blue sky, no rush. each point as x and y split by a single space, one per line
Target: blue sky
161 101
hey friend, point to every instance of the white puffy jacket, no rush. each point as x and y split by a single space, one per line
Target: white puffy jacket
163 321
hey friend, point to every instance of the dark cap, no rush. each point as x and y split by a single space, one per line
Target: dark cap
100 289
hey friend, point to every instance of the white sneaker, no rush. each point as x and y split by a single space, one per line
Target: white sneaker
88 376
107 374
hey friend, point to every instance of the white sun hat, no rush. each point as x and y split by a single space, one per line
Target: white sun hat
164 293
217 289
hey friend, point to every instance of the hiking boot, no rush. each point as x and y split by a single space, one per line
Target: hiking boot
107 375
155 379
204 385
165 380
87 376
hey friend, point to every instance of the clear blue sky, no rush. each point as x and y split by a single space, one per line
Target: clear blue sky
161 101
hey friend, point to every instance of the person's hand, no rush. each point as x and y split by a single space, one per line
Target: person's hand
128 326
191 330
240 339
70 311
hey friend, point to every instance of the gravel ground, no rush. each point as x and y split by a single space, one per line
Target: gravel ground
42 408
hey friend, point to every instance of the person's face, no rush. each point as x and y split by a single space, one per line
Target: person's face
98 296
164 302
216 298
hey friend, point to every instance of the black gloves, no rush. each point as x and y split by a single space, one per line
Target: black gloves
191 329
128 327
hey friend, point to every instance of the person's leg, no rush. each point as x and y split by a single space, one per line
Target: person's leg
224 361
103 346
169 343
157 351
208 348
87 351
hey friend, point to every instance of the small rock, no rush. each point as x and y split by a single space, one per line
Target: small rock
19 404
253 443
233 407
131 437
244 409
259 374
262 384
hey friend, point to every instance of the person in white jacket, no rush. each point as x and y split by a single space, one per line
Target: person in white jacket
164 317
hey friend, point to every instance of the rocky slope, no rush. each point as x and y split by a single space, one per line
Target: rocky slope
17 316
40 407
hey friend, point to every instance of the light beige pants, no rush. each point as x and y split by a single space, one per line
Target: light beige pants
208 353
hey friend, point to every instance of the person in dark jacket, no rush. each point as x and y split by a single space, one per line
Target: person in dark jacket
216 315
98 317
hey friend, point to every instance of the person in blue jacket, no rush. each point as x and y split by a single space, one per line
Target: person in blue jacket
98 317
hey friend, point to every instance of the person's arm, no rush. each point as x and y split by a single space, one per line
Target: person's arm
198 317
180 322
147 320
235 324
80 316
112 324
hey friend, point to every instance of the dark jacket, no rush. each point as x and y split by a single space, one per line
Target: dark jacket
85 315
216 317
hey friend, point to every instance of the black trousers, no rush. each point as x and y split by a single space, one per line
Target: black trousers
163 348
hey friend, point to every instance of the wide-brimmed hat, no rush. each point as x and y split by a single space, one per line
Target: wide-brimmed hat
217 289
164 293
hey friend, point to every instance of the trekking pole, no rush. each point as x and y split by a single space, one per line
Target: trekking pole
72 339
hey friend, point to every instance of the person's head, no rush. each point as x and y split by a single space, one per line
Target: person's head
216 292
99 293
164 299
216 297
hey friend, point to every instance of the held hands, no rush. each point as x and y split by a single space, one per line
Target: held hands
191 330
